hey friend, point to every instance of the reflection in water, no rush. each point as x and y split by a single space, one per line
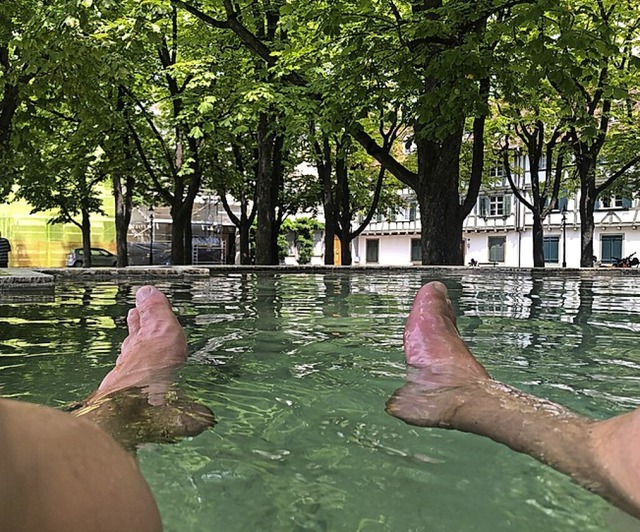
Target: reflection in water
297 369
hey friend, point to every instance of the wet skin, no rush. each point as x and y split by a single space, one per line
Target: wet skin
448 388
137 401
71 472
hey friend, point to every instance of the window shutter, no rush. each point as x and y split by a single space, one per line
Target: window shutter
626 203
483 206
562 204
597 205
506 204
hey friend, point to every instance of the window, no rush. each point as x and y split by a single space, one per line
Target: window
416 250
373 246
611 248
498 205
413 211
613 202
496 248
550 247
542 163
562 204
497 170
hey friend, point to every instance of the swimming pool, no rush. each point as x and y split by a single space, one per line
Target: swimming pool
297 368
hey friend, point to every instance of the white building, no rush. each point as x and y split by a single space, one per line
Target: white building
499 231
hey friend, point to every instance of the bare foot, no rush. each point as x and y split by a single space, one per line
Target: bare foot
135 403
442 372
449 388
155 348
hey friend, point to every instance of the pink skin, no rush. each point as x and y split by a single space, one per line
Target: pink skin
441 369
431 339
133 403
155 348
447 387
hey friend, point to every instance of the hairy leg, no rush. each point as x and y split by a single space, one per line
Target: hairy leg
448 388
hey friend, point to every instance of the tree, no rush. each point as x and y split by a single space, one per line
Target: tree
64 176
232 174
358 187
589 52
62 125
544 193
439 68
302 230
24 55
167 129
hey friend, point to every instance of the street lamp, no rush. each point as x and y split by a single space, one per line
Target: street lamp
564 237
151 236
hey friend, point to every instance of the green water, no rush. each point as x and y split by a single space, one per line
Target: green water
297 368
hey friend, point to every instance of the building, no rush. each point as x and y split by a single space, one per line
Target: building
213 234
499 230
37 243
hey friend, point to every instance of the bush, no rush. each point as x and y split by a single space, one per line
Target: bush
303 230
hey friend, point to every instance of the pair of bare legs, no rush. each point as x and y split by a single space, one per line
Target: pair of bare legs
71 472
62 472
448 388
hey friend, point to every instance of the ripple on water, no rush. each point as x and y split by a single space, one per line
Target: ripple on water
297 369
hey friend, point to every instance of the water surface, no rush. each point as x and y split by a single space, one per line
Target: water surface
297 368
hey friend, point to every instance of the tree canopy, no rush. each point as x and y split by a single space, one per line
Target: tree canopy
164 98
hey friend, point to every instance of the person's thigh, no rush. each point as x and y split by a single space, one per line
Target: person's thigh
64 473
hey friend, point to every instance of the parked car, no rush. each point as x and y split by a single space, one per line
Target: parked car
99 257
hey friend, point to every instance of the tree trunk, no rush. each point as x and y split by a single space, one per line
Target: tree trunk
86 238
123 195
8 107
587 205
187 235
344 205
242 223
264 195
264 208
277 186
439 200
324 167
178 228
538 239
345 251
245 249
123 206
330 219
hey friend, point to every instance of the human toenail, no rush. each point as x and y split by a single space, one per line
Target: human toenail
144 292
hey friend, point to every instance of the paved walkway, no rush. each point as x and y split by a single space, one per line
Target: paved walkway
19 278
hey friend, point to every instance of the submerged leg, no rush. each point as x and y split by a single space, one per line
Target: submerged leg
135 402
61 472
440 366
447 387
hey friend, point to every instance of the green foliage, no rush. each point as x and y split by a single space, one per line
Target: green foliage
303 230
558 62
